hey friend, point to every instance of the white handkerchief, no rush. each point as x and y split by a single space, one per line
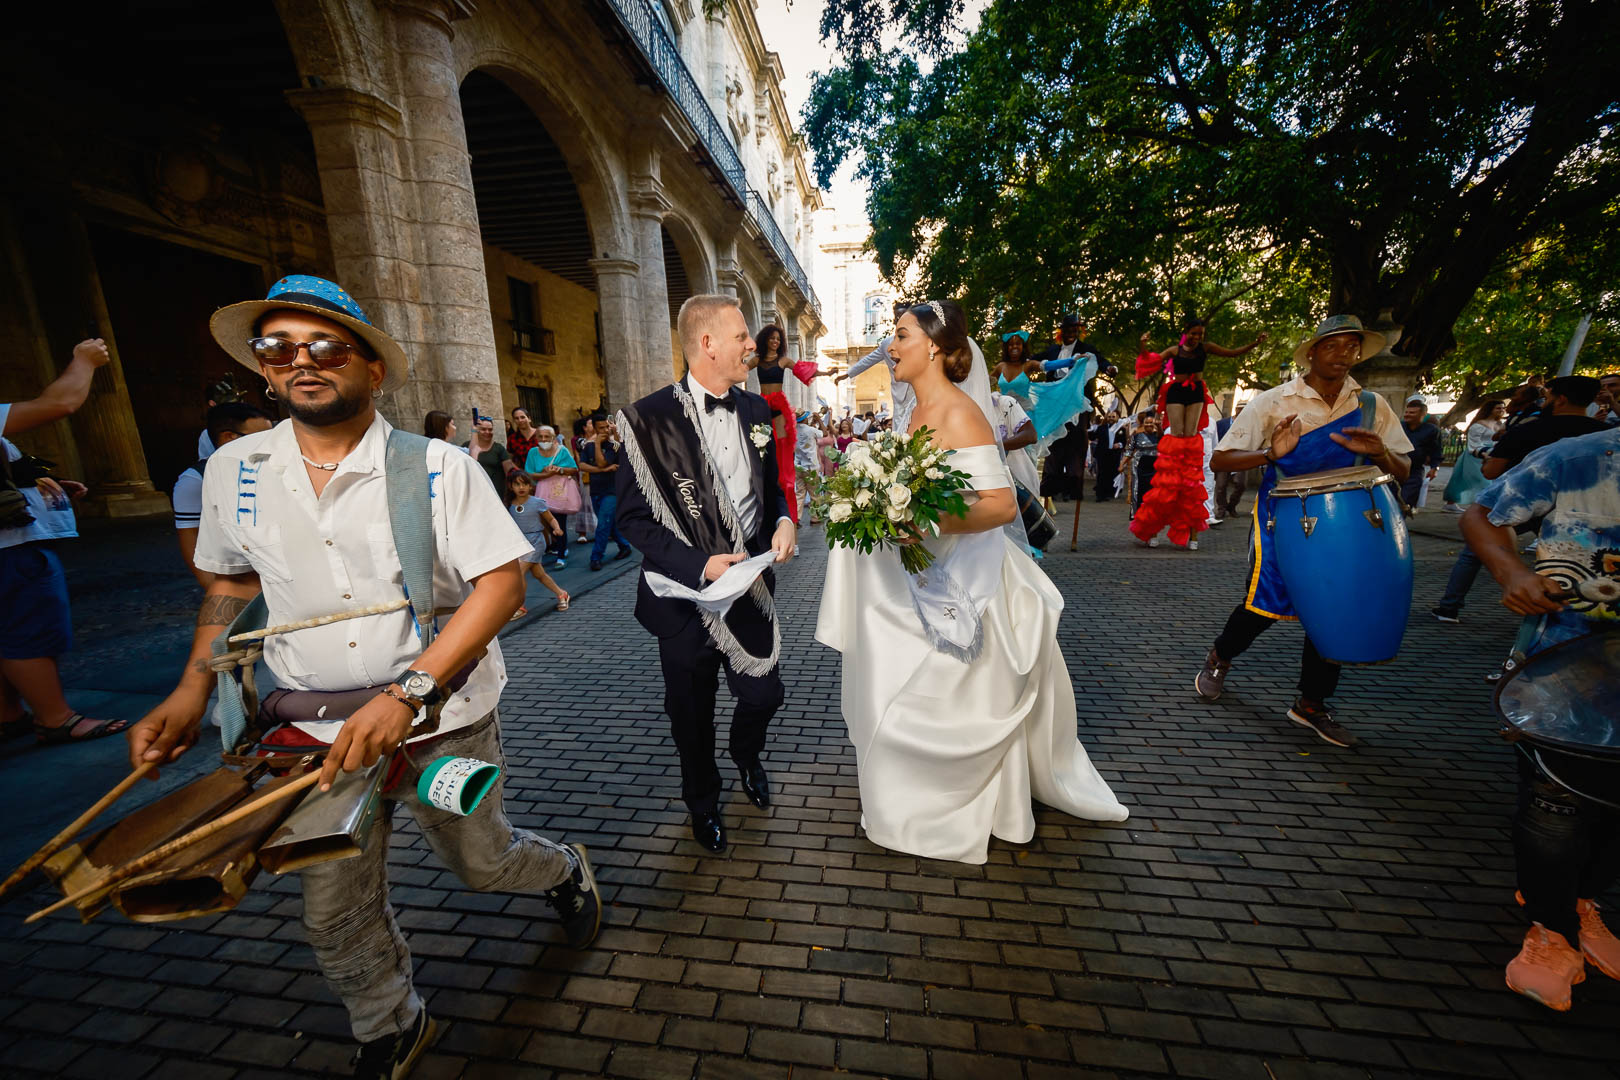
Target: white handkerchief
720 593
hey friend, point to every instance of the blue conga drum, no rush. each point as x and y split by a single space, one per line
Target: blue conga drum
1343 552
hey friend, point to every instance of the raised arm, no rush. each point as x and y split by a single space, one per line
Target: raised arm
63 396
876 356
1221 350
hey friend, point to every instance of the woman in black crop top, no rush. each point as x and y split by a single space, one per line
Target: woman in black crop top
1184 395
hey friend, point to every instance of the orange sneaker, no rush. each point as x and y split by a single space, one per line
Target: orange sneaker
1546 969
1598 943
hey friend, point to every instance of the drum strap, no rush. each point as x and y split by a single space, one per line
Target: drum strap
410 518
1369 417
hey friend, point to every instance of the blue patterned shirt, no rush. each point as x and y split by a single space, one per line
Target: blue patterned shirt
1573 486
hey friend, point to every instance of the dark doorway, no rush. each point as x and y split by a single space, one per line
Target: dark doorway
159 298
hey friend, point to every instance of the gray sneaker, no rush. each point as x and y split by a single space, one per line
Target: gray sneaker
1320 720
1211 678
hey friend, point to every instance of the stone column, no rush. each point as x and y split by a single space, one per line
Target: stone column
648 205
357 139
69 299
618 300
455 366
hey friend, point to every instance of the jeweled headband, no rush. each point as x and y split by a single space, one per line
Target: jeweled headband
939 312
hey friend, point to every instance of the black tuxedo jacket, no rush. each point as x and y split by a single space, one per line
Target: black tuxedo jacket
664 552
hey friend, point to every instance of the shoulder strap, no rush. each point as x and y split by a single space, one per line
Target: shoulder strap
1369 417
238 694
410 517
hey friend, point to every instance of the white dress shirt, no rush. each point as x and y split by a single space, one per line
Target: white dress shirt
336 553
905 399
729 449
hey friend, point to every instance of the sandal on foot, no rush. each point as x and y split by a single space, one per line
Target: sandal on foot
562 602
63 733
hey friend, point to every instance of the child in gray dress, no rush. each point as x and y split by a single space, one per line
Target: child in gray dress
534 518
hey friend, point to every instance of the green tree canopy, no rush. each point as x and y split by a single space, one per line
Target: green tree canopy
1261 163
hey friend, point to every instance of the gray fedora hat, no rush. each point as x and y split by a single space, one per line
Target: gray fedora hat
1371 340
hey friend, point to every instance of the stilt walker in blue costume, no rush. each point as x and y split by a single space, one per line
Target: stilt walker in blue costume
1318 421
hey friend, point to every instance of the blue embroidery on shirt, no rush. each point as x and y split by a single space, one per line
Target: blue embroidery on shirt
432 476
247 478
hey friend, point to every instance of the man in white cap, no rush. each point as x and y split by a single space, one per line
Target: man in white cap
302 513
1308 423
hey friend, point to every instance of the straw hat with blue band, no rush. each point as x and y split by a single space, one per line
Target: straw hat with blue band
1372 341
234 326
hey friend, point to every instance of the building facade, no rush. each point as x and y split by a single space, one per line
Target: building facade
522 193
859 309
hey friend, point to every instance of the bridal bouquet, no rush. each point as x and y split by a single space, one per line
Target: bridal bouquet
888 490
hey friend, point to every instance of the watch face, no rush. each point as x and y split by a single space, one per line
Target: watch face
417 683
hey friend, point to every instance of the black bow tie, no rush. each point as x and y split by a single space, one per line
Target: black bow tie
728 402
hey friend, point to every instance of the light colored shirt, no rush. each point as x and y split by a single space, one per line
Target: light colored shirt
560 456
50 523
1251 429
187 499
723 434
321 556
205 445
1573 487
905 400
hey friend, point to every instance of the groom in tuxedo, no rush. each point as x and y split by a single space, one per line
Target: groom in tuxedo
701 494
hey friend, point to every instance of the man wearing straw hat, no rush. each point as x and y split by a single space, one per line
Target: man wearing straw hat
302 513
1306 421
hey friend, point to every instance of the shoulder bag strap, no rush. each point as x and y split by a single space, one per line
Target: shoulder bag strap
238 709
410 517
1369 417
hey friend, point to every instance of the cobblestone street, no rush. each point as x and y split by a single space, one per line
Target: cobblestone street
1275 907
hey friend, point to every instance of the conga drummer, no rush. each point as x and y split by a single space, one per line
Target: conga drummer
1319 421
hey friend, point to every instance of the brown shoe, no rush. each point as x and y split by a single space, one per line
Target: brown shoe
1211 678
1319 718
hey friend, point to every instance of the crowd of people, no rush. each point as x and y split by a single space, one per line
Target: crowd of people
706 481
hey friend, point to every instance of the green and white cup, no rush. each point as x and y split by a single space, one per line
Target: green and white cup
457 784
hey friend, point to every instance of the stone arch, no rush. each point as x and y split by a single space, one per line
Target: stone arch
598 182
749 300
694 251
328 44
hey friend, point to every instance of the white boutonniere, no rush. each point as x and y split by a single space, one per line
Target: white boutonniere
760 436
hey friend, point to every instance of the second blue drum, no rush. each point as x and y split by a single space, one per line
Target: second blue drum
1344 553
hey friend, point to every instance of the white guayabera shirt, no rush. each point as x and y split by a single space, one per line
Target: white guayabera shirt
317 557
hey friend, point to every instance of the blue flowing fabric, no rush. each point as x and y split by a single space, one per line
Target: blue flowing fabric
1052 405
1315 453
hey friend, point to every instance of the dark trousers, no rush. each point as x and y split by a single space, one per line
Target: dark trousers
1107 470
1412 487
1228 490
1463 573
607 526
1144 481
1318 678
557 546
691 666
1064 471
1564 848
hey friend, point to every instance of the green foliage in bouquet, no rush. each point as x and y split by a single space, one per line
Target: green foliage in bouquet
887 490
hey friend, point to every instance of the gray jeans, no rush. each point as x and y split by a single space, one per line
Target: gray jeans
348 918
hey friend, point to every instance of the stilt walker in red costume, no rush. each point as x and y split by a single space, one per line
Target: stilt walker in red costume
772 363
1176 499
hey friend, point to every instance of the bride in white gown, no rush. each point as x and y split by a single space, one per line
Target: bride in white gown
949 751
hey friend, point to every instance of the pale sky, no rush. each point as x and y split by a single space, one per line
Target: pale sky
795 35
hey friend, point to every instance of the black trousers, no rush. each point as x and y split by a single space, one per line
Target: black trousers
1565 847
1064 471
1107 470
1318 678
692 666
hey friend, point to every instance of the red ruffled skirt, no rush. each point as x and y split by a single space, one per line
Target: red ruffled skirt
785 433
1176 499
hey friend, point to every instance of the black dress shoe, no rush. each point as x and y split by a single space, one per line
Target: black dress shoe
624 553
756 784
709 831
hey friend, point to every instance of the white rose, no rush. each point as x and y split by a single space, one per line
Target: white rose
933 473
899 496
863 499
840 511
899 513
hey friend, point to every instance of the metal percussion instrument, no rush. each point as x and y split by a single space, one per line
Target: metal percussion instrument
1344 553
1038 524
1561 708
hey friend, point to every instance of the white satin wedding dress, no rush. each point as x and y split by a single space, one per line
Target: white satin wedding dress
950 752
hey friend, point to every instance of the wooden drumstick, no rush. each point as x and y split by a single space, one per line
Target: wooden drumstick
60 840
202 832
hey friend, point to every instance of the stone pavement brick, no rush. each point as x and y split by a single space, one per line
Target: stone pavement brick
1272 904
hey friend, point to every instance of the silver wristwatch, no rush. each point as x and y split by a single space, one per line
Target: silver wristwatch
421 688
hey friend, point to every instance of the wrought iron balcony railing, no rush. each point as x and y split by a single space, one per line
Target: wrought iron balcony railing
644 27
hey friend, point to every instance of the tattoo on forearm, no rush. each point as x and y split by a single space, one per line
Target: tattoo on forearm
220 610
